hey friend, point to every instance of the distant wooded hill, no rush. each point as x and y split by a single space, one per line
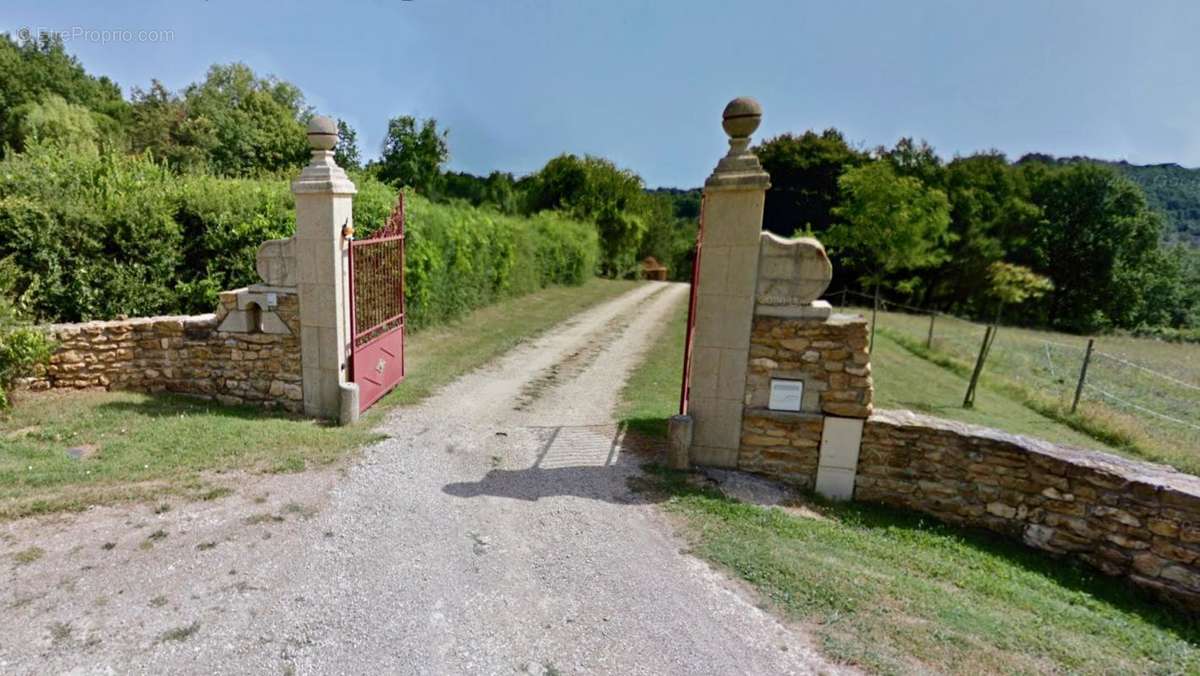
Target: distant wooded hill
1170 188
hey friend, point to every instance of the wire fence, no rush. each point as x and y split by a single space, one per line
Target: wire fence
1142 386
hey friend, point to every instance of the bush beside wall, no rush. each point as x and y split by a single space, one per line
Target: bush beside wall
99 236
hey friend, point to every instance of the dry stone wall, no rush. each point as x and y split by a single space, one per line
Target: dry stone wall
187 354
781 444
829 355
1127 518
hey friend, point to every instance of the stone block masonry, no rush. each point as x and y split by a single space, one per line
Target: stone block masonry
1132 519
259 364
781 444
758 318
828 355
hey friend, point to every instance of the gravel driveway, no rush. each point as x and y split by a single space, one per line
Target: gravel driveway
492 532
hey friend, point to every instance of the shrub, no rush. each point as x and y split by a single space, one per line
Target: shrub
21 346
97 236
458 257
92 235
223 221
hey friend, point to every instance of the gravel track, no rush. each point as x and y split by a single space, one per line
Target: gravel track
492 532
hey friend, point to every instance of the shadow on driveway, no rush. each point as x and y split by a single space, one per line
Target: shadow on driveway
588 461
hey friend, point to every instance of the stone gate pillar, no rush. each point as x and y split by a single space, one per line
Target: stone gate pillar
733 208
324 215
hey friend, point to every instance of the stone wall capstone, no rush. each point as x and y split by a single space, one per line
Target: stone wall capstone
188 354
1133 519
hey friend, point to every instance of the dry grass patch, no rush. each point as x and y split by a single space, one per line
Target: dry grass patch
28 555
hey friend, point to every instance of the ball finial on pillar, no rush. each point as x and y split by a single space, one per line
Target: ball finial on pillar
740 168
741 117
322 133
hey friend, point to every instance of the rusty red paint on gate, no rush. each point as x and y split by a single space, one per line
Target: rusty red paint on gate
377 309
685 389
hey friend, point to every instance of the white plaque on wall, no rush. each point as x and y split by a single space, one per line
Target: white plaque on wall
785 394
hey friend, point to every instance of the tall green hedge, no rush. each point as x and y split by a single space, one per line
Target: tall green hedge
97 236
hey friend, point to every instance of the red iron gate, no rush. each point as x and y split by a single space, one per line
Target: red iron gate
685 388
377 309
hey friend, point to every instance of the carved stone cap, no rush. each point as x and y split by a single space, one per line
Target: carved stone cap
323 175
739 169
792 275
741 117
322 133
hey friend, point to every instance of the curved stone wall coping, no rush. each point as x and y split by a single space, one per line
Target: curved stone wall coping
1135 471
182 320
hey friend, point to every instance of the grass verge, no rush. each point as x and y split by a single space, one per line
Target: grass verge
651 394
896 593
1140 394
438 355
134 446
907 376
1095 425
902 380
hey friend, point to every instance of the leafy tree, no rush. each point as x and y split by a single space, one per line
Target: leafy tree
889 223
497 189
1009 285
234 123
160 125
671 238
1014 284
345 153
991 218
596 190
34 69
1169 188
804 179
413 153
1096 241
917 159
54 121
259 124
892 223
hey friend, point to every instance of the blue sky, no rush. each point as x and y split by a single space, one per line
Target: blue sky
643 82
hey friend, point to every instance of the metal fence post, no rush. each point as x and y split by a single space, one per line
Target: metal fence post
874 311
929 338
969 399
1087 357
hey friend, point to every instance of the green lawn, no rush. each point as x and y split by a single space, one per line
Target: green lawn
895 592
1142 394
651 394
904 380
138 446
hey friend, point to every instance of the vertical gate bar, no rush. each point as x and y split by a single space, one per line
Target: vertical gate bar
353 313
689 333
